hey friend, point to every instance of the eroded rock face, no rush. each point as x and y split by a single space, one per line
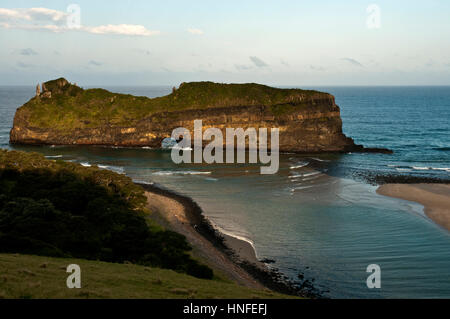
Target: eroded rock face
311 123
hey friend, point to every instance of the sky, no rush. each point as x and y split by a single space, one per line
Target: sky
292 42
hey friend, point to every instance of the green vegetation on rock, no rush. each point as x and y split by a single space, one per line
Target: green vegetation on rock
71 107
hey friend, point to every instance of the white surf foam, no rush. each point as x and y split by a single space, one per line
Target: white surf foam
116 169
311 174
309 178
299 165
142 182
181 173
176 147
319 159
247 240
399 169
300 188
420 168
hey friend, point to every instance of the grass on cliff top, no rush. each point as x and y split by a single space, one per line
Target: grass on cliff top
27 276
98 107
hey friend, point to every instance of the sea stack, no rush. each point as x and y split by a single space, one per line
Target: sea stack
309 121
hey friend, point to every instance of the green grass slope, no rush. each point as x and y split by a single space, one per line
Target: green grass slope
27 276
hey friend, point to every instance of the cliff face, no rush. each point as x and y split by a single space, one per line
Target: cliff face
63 113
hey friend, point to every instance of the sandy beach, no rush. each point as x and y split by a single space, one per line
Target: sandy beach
174 215
232 257
434 197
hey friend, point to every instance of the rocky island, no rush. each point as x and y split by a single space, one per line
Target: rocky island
65 114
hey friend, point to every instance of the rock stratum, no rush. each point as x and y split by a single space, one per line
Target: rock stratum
65 114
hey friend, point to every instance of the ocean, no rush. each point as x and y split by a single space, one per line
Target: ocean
317 216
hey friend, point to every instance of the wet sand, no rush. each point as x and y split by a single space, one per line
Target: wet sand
434 197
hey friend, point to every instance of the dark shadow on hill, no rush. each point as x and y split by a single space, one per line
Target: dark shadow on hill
55 212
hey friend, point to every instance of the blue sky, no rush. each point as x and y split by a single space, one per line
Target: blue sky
274 42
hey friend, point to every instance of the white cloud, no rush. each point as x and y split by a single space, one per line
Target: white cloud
33 14
195 31
124 29
258 62
283 62
47 27
316 68
242 67
28 52
11 14
352 62
44 19
95 63
24 65
45 14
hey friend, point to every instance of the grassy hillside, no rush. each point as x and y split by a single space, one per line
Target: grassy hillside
26 276
61 209
71 107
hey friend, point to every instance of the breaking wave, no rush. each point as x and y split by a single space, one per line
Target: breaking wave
181 173
116 169
299 165
403 168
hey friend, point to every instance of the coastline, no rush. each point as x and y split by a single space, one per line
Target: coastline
434 197
234 257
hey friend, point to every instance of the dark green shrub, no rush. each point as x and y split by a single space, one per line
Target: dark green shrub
61 210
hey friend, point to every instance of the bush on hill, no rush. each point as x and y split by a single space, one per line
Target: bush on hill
54 208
